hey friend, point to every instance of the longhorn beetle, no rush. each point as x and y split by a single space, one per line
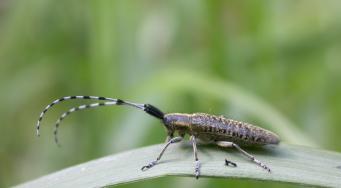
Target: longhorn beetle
200 126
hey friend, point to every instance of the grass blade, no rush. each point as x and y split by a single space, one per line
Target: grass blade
289 163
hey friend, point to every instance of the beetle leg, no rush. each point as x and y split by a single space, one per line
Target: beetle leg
197 162
153 163
224 144
170 135
230 163
251 157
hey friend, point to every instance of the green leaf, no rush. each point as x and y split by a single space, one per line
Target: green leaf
289 163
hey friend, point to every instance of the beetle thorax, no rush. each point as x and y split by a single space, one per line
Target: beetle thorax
177 120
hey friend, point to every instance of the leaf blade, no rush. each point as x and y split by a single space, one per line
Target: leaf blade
289 163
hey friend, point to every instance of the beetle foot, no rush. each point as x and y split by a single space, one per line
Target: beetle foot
197 169
151 164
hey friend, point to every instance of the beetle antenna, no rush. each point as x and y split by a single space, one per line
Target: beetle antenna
150 109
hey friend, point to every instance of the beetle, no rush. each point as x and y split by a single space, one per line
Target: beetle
207 128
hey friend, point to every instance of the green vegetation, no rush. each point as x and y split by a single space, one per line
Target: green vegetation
273 63
289 164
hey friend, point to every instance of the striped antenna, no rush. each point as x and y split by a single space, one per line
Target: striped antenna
150 109
64 99
71 110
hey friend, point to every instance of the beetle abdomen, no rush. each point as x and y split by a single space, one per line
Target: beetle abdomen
219 128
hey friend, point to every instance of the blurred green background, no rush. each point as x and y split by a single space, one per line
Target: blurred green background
272 63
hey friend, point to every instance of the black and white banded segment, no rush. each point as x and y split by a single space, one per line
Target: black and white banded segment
108 102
